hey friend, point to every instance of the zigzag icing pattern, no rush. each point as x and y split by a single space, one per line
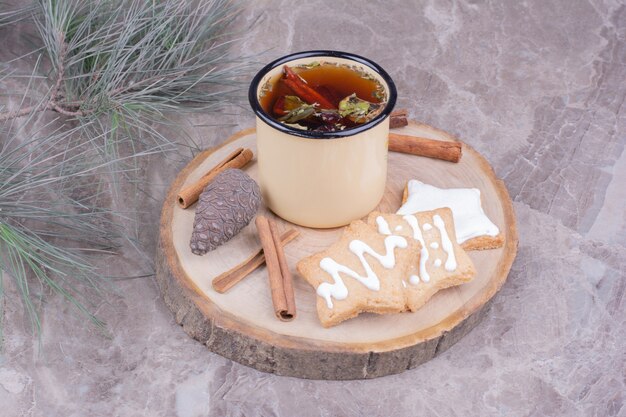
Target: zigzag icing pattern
338 289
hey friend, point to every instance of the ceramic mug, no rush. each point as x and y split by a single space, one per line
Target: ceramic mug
321 179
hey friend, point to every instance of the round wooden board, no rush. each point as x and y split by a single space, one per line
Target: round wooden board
241 325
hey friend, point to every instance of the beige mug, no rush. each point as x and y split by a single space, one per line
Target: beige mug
322 179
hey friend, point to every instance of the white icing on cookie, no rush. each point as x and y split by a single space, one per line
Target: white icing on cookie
338 289
446 243
437 263
434 245
383 226
404 283
417 235
427 226
469 218
398 228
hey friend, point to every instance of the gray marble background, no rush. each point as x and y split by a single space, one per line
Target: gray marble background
538 87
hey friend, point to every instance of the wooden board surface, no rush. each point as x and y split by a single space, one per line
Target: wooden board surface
241 324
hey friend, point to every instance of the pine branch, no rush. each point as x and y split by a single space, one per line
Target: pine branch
43 233
132 58
118 68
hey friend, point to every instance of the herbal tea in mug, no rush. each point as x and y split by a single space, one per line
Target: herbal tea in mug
322 125
323 97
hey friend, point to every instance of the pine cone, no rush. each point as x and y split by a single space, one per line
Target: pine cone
225 207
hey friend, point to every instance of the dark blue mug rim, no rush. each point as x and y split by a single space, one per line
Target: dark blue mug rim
258 110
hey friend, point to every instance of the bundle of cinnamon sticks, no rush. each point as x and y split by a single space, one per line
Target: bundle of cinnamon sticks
230 278
280 279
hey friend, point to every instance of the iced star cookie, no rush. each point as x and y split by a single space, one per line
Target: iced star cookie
474 230
362 272
442 262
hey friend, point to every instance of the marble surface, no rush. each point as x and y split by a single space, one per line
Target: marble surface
538 87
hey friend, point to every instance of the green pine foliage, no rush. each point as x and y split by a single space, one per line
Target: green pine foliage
115 71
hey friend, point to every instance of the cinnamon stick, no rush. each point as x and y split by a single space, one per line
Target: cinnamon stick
438 149
398 118
279 107
230 278
290 314
304 91
277 271
190 194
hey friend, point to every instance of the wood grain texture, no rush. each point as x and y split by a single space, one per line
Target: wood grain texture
240 324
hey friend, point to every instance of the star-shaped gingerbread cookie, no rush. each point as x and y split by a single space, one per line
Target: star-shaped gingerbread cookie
362 272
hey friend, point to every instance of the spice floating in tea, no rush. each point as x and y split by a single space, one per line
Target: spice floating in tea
323 97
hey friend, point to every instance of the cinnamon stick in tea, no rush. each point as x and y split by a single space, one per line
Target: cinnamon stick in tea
304 91
438 149
230 278
279 276
190 194
398 118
